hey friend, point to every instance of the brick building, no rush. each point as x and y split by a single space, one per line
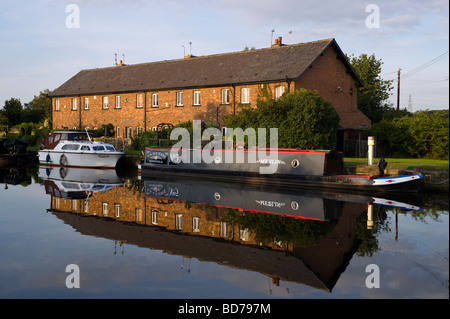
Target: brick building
138 97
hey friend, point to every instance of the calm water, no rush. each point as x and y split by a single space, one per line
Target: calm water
160 238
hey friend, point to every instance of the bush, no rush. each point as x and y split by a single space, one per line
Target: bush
108 128
423 134
303 118
139 143
26 129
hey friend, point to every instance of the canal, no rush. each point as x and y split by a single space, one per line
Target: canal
74 233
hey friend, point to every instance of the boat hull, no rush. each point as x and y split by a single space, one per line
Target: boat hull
79 159
313 171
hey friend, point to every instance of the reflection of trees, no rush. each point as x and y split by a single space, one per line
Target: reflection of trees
428 212
268 228
365 236
368 237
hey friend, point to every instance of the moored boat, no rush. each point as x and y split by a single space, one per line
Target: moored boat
287 167
76 149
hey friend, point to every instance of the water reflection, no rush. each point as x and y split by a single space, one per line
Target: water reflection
303 237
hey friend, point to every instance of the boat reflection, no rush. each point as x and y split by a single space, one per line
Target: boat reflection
76 183
306 237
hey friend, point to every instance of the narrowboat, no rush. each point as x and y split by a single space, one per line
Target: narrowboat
288 167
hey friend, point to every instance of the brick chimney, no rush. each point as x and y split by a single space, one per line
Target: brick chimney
278 42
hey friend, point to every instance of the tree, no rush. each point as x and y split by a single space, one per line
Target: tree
39 109
303 118
12 111
421 134
373 96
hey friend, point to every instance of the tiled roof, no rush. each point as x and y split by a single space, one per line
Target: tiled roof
274 64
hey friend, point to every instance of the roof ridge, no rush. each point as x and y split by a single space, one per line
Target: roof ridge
213 55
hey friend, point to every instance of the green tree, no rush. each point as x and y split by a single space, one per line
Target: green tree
429 133
422 134
39 109
303 118
373 96
12 111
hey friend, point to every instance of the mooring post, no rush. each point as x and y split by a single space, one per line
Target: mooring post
371 144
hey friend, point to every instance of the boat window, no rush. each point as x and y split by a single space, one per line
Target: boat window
77 136
71 147
85 148
69 185
110 148
98 148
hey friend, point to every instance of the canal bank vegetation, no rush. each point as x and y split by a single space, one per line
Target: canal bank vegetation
422 134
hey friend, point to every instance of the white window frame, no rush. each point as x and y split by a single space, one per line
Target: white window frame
225 97
154 217
117 208
139 215
105 102
197 98
139 100
74 205
178 221
105 209
224 229
128 131
279 91
57 105
243 234
195 224
155 100
74 104
118 106
86 103
245 95
180 98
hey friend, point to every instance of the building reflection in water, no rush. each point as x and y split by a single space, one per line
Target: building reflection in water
297 236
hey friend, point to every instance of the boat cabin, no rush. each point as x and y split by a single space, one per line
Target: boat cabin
54 138
88 148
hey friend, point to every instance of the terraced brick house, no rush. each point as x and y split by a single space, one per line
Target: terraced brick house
136 98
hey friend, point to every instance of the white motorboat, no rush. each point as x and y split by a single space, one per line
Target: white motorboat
76 149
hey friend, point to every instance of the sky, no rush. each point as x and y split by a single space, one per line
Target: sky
43 43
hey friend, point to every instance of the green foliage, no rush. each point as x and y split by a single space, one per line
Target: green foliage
303 118
139 143
32 133
36 111
39 109
423 134
373 95
108 128
12 111
269 228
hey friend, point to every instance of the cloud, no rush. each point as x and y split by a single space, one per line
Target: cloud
401 21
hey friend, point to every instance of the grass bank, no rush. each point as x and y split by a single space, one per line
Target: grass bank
404 163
